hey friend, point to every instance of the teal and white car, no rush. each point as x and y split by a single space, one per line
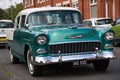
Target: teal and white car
54 35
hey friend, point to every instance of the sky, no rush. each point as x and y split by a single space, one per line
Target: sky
7 3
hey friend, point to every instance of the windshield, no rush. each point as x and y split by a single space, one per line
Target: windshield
6 25
104 21
54 18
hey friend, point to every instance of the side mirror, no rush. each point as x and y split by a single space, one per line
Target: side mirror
113 23
26 26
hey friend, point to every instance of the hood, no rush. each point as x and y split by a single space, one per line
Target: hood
66 34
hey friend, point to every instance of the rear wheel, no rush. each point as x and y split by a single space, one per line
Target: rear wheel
101 65
13 59
34 70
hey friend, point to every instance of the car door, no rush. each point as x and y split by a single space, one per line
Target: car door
19 34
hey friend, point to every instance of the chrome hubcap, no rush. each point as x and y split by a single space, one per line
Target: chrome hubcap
30 66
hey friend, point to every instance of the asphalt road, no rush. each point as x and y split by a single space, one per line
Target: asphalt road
10 71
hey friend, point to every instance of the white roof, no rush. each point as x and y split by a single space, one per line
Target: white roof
5 20
31 10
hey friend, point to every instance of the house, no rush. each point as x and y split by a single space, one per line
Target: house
88 8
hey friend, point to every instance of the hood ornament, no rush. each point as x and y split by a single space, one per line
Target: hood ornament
73 37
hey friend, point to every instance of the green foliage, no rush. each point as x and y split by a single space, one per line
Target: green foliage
3 14
11 12
116 29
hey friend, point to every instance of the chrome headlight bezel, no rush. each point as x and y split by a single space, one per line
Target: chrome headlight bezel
109 35
41 40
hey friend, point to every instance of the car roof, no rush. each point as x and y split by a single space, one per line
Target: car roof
5 20
95 19
31 10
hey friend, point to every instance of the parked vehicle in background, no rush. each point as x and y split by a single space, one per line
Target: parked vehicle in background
5 27
116 29
98 22
54 35
3 38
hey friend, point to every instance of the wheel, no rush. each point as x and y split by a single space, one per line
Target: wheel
13 59
34 70
101 65
116 44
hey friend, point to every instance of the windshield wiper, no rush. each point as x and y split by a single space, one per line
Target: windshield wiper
73 26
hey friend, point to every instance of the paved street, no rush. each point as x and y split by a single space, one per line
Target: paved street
10 71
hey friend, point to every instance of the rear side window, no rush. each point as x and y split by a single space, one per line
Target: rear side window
87 23
22 23
18 21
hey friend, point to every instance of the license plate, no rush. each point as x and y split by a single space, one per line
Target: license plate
79 63
3 39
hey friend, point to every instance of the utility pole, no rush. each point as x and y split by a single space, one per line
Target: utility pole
11 9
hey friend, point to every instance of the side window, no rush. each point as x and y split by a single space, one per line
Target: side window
22 22
87 24
76 18
18 21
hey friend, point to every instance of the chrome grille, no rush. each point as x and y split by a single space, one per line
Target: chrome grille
74 47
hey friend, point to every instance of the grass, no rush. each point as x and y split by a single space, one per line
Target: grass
6 71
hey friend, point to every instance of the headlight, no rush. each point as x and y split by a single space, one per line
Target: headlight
41 40
109 35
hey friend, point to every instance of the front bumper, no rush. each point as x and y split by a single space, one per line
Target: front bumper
2 43
58 59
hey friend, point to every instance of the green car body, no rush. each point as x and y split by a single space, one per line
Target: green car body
61 43
116 29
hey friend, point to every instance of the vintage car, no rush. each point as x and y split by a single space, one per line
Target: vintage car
5 29
98 22
54 35
116 29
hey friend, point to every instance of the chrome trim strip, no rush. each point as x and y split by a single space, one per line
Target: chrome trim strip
45 60
74 42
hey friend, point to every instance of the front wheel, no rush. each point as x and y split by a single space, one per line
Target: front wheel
101 65
116 44
33 69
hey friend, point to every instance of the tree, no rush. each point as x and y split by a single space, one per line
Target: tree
13 11
3 14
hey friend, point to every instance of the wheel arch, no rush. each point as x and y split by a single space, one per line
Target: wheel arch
26 48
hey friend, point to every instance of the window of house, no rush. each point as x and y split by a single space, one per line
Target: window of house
75 5
66 3
58 4
93 8
32 2
41 1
